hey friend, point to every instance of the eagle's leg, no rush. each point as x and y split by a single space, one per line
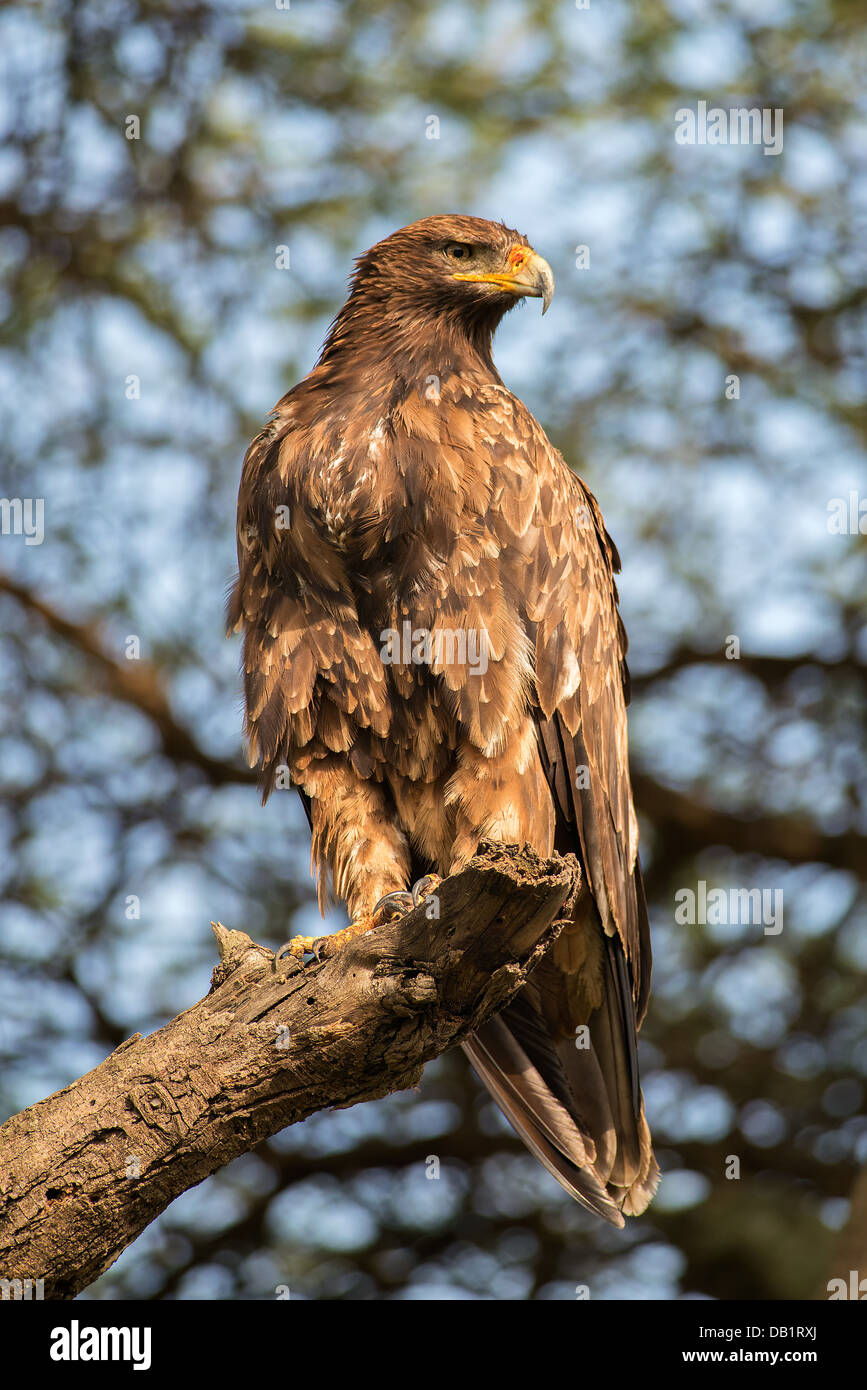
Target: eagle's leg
322 947
358 847
391 906
501 797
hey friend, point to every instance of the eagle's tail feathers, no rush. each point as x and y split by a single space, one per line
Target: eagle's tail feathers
542 1122
574 1108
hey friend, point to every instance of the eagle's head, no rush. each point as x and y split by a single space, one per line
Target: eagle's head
434 291
460 267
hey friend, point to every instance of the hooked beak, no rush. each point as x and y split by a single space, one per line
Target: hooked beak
528 274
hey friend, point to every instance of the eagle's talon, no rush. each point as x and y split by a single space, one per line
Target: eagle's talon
392 906
423 887
297 948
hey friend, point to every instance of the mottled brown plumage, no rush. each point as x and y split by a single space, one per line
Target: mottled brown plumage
400 495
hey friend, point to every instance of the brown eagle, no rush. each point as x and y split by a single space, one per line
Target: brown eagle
433 656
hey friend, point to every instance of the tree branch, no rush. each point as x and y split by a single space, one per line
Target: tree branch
772 671
693 826
83 1172
133 683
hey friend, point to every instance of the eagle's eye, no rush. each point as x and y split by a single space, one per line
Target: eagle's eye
459 251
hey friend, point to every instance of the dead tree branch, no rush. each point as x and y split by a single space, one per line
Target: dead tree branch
83 1172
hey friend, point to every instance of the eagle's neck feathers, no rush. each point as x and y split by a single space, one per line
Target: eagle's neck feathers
384 340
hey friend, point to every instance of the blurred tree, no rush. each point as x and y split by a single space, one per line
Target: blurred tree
182 188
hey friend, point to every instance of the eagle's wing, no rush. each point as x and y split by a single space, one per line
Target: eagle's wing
313 675
562 1060
315 685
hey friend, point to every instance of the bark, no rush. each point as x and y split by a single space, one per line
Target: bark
84 1171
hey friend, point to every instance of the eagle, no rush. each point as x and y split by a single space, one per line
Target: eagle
433 656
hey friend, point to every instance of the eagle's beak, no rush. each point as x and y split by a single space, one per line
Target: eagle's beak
528 274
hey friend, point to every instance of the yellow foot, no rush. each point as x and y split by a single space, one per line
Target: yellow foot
323 947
